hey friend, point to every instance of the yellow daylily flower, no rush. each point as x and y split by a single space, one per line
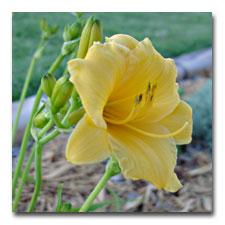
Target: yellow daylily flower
133 110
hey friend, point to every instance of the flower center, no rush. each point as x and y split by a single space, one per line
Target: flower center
141 102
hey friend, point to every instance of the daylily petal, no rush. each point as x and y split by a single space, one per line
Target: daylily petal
181 114
146 68
87 144
142 157
124 40
95 76
166 97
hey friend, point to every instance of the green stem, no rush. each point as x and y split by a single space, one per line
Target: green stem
56 64
25 141
57 121
23 180
46 128
73 55
22 97
27 131
95 192
38 167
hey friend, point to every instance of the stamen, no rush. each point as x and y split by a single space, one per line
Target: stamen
140 98
149 87
157 135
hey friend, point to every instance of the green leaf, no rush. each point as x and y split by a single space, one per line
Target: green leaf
59 198
116 198
65 207
102 204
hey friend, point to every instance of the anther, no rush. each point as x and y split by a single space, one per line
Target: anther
140 98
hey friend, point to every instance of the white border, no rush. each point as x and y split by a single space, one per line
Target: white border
216 7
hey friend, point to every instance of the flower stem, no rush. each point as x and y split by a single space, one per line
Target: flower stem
25 141
46 128
22 97
23 179
107 175
38 183
29 124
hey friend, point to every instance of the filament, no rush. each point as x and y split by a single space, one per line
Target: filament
157 135
121 121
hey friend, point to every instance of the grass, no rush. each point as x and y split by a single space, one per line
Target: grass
172 34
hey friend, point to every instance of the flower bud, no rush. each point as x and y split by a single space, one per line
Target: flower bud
72 31
47 31
47 83
75 30
68 47
79 15
75 116
66 33
96 33
65 108
113 167
61 93
85 37
41 119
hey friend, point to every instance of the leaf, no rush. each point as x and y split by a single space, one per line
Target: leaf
59 198
65 207
102 204
116 198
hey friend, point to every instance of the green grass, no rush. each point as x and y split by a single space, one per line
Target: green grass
171 33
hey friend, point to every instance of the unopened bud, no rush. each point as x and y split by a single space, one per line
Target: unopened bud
75 30
47 31
41 119
65 108
113 167
61 93
96 33
47 83
85 37
68 47
79 15
66 33
75 116
72 31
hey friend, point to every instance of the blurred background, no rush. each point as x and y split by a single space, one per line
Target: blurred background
185 37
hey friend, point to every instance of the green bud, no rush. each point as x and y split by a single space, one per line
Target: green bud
47 83
66 33
75 116
72 31
44 24
41 119
75 30
96 33
79 15
47 31
61 93
68 47
65 108
85 37
54 30
113 167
